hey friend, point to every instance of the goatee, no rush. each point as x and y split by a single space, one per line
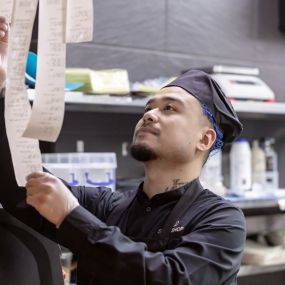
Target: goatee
142 152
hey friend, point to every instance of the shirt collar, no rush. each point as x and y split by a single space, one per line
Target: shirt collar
162 198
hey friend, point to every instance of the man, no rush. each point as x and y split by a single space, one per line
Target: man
168 231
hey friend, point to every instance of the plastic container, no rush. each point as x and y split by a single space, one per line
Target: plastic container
88 169
272 174
258 167
211 175
66 259
240 167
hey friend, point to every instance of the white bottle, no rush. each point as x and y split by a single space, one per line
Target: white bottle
211 175
272 175
258 160
240 167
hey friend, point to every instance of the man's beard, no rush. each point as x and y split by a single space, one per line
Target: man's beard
142 152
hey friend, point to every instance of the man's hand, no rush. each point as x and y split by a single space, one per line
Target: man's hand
49 196
3 48
3 30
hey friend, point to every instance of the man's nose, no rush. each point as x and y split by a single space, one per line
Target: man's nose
150 116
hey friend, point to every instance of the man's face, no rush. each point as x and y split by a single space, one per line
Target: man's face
170 128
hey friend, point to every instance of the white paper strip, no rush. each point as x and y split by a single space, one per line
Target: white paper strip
48 108
79 21
6 9
25 152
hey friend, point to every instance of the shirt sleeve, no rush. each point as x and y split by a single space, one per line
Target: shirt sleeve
98 201
210 254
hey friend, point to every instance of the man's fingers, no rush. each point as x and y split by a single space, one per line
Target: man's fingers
38 186
36 180
2 19
36 200
40 177
3 32
33 185
40 181
4 27
37 174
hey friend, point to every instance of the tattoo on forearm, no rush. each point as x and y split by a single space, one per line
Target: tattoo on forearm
176 184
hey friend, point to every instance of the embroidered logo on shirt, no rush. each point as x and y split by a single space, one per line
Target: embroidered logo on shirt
175 229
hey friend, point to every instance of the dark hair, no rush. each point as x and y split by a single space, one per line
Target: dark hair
218 145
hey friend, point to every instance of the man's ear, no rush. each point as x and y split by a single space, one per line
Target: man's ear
208 138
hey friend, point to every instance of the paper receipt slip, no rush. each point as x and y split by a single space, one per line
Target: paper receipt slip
26 125
6 9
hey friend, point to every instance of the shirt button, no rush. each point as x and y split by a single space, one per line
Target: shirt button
148 209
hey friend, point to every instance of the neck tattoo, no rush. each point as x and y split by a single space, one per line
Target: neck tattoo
176 184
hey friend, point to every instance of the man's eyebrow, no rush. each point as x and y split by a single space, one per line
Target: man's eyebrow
166 98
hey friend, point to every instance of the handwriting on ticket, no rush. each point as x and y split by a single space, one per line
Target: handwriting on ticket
79 19
51 25
17 108
26 125
6 9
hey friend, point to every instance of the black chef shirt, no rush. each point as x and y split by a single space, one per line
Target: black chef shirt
146 217
207 250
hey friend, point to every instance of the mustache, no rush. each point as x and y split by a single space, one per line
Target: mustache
148 127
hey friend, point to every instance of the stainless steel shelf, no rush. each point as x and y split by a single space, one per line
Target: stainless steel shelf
263 224
251 109
246 270
78 101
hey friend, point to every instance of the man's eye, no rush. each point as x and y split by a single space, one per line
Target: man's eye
169 108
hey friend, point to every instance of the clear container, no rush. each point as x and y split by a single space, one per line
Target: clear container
211 175
65 260
89 169
258 167
240 167
272 175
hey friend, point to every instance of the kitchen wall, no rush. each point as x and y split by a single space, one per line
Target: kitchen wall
163 37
